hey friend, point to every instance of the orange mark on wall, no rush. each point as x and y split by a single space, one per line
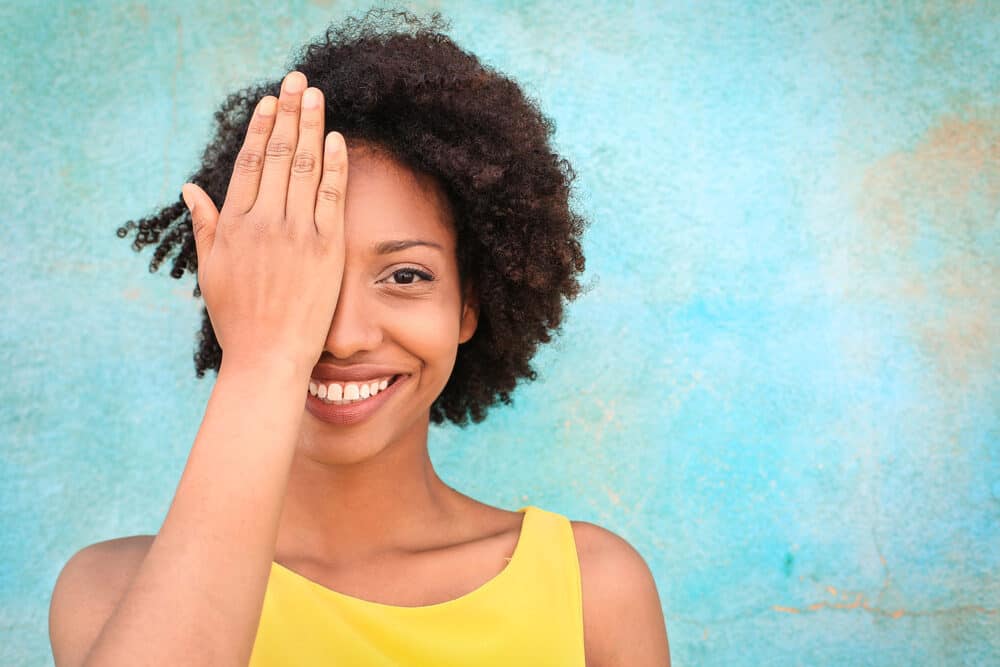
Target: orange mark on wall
787 610
857 600
928 214
954 172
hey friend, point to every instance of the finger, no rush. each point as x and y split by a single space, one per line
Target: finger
307 164
204 218
243 184
270 204
332 188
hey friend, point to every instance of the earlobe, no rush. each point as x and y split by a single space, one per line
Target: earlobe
470 317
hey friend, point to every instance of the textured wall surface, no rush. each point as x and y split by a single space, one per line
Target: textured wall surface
781 387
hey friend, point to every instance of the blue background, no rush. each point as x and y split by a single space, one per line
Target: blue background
781 386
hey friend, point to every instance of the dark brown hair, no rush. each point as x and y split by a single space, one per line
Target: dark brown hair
398 82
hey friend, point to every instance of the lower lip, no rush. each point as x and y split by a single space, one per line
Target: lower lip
350 413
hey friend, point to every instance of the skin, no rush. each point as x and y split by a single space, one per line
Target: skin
363 504
366 495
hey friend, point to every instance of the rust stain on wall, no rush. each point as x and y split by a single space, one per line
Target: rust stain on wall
847 599
859 602
928 216
950 172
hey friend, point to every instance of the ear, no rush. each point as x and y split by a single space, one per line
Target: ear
470 314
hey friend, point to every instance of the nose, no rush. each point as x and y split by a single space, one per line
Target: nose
355 327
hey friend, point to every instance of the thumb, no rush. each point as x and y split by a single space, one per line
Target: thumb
204 217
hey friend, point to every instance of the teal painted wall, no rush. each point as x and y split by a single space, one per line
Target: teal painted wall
782 386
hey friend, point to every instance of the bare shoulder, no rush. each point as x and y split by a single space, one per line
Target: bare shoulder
622 616
87 591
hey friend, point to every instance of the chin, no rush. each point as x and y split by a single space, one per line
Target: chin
339 445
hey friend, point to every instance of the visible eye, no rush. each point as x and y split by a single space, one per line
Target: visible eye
408 275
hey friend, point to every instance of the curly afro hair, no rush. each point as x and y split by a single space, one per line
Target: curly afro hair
395 81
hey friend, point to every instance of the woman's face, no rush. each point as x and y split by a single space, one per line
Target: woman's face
400 315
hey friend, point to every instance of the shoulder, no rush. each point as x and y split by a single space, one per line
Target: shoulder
622 616
86 592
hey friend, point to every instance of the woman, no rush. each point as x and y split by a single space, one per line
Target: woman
360 284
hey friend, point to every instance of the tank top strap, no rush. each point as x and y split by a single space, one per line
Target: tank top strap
549 548
546 582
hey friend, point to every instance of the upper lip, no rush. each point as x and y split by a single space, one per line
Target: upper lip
353 373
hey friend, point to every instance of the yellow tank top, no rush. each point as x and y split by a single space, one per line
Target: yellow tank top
530 613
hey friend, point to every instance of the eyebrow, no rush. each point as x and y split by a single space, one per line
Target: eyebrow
387 247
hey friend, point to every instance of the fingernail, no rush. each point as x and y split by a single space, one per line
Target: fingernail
295 82
267 105
187 201
311 98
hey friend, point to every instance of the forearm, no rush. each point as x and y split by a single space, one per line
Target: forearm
197 598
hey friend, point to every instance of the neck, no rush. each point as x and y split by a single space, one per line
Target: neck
340 513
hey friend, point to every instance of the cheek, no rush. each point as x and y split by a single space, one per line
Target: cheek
428 330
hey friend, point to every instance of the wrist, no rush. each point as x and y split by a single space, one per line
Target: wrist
257 366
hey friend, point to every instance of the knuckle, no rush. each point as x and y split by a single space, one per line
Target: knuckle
279 149
288 105
249 161
304 163
260 229
259 126
311 122
330 193
198 227
322 244
334 168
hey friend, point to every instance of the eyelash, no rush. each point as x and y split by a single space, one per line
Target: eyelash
423 275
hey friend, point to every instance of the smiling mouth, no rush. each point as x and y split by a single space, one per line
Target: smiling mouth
349 393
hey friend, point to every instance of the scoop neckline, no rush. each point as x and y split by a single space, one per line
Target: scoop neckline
489 583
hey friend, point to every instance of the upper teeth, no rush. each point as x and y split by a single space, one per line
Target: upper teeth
347 391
